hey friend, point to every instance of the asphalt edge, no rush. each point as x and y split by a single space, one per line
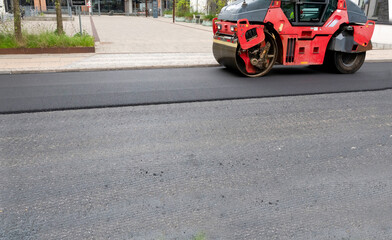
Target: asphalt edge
190 101
105 69
8 72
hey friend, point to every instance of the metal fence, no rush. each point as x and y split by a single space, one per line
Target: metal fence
52 10
28 11
4 16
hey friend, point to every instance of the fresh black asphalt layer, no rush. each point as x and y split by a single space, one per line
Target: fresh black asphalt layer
311 167
78 90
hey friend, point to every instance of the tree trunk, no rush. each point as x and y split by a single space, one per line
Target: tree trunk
17 21
59 18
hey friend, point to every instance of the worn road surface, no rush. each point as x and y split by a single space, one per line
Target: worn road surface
304 167
75 90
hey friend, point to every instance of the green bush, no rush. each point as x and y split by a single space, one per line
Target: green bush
182 7
180 14
220 4
8 41
189 15
168 12
209 17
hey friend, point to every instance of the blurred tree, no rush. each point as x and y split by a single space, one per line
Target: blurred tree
215 6
17 21
59 18
182 7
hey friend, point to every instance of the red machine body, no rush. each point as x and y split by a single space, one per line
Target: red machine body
296 44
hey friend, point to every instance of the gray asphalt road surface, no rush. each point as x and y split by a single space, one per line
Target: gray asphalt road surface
306 167
43 92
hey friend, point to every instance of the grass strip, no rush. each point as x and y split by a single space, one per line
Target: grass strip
46 39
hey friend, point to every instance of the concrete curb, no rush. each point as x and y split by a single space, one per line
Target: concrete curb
60 70
381 46
378 60
103 69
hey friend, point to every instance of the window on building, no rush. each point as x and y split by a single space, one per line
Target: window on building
375 9
117 6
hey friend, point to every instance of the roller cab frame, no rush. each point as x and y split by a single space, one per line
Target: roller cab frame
252 36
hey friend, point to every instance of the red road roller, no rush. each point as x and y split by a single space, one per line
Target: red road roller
253 35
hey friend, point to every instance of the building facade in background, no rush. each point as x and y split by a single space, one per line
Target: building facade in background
379 10
106 6
199 6
126 6
2 8
6 7
40 5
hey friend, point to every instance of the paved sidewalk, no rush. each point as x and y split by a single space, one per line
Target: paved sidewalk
132 43
120 34
87 62
39 62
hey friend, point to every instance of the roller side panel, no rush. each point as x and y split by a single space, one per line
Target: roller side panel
304 45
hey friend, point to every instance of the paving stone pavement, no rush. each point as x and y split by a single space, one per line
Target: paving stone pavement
85 62
152 60
119 34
